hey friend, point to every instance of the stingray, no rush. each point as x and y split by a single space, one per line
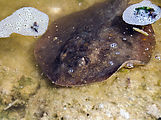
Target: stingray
90 45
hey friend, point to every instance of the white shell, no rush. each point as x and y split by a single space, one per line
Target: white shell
21 22
130 16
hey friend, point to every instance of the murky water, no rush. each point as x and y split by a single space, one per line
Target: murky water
26 94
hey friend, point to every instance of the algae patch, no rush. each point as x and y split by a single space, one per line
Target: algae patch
15 90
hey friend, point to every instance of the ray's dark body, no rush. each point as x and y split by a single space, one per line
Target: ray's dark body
90 45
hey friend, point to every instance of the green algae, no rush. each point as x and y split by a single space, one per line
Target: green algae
14 95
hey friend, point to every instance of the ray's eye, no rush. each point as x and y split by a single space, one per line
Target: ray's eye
63 54
83 61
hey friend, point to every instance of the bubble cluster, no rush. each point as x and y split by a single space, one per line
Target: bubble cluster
158 57
111 63
113 45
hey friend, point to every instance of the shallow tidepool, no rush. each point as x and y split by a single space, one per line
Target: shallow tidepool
26 94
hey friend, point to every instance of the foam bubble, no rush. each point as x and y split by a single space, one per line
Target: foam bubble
142 13
26 21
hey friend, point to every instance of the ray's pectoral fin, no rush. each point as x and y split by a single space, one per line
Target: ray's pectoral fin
89 46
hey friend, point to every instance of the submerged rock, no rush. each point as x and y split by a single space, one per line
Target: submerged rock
90 45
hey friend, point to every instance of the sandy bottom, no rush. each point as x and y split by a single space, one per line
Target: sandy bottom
27 95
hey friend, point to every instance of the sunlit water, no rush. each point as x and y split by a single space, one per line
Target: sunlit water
127 89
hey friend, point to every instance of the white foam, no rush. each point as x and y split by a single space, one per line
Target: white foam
130 17
26 21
